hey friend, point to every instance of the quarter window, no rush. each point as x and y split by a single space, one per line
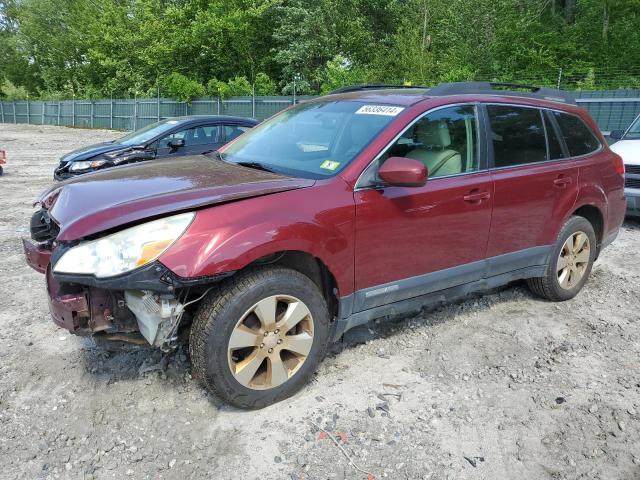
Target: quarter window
579 139
518 135
233 131
444 140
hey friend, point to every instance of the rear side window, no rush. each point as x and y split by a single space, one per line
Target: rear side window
518 135
555 147
579 139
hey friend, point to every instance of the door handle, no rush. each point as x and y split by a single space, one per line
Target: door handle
476 196
562 181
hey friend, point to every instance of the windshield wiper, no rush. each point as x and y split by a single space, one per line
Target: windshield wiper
256 165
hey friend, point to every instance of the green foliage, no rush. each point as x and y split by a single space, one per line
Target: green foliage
218 88
112 48
239 87
264 85
11 92
181 87
340 73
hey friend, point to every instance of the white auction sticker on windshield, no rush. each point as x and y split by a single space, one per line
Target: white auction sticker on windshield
379 110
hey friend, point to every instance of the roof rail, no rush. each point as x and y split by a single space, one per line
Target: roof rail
499 88
372 86
461 88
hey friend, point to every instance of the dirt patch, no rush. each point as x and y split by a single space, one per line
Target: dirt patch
500 386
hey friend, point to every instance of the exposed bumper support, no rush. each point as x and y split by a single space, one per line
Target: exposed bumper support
37 257
71 311
139 301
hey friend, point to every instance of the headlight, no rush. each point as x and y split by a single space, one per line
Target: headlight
125 250
75 166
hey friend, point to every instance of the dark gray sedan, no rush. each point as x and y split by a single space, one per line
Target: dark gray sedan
172 137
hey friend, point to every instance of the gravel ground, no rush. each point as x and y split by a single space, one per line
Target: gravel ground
500 386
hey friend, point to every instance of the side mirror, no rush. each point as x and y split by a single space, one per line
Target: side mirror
176 143
403 172
616 134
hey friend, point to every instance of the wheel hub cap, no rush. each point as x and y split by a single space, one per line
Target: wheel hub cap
270 342
573 260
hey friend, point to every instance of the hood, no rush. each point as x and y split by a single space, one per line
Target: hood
629 150
115 197
91 151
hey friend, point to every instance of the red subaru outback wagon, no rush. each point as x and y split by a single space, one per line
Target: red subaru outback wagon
360 204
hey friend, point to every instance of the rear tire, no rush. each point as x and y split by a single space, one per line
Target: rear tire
259 337
570 262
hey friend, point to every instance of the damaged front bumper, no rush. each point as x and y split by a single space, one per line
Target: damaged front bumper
142 302
38 257
87 311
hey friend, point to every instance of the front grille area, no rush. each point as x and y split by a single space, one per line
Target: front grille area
632 182
632 169
43 229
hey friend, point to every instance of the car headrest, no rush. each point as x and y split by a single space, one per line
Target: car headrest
433 133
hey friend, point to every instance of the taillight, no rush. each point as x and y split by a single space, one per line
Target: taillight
619 164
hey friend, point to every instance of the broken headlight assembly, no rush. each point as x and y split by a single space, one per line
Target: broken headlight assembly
77 166
125 250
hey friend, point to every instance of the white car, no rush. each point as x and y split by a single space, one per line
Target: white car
628 147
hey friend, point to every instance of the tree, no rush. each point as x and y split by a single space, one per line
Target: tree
11 92
182 88
111 48
239 87
264 84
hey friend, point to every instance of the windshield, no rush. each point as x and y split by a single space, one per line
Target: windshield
145 134
312 140
634 130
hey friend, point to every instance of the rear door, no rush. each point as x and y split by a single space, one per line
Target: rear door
411 241
204 138
535 184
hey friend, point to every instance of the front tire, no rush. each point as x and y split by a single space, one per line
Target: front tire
570 262
259 338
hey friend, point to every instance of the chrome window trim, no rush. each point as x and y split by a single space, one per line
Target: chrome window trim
475 104
569 158
359 187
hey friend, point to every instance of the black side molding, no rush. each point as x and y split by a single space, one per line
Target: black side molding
416 303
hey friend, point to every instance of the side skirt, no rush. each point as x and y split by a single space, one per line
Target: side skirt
440 296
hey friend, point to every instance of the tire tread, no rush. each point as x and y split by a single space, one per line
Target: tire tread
210 313
543 286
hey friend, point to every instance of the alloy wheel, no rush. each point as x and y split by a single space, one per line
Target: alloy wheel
573 260
270 342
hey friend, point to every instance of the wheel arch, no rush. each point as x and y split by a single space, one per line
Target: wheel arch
309 265
594 215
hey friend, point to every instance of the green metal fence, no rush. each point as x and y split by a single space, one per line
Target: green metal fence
131 114
612 110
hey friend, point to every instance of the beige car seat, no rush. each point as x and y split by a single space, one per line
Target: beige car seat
435 138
